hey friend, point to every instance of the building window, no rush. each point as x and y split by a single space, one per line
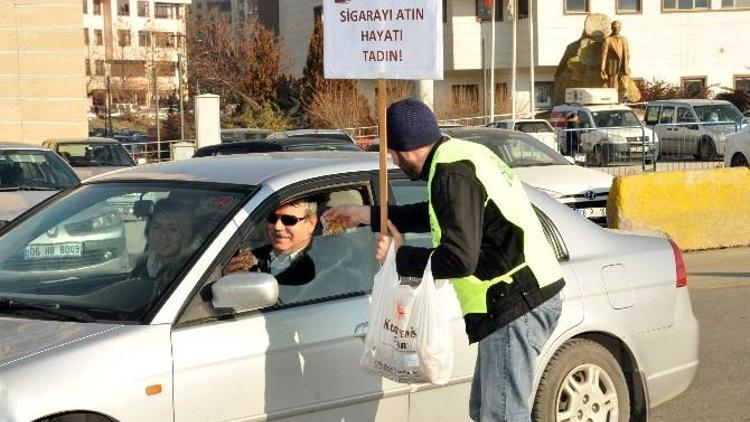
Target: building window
576 6
99 67
742 83
252 7
88 67
628 6
85 6
123 38
543 94
97 7
484 13
444 11
523 9
142 9
99 40
685 4
123 7
166 68
86 36
164 11
735 4
693 85
163 39
200 6
144 38
128 68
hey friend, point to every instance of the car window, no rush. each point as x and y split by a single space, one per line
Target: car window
311 265
652 115
85 155
111 250
684 115
667 114
532 127
718 113
29 169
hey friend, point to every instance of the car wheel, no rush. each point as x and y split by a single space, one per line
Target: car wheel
739 160
582 381
706 149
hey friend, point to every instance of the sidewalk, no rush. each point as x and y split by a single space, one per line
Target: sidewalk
718 268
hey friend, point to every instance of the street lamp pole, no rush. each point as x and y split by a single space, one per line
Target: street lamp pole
179 86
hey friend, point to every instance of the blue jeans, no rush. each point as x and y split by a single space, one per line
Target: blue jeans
504 371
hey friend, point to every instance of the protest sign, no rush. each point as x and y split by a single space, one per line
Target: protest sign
383 39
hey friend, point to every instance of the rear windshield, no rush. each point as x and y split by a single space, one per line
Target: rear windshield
38 170
92 155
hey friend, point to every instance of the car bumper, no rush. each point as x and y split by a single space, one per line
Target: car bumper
671 369
621 152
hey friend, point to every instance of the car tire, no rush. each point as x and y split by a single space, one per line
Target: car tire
582 381
706 150
739 160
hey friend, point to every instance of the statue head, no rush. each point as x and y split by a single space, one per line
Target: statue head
616 27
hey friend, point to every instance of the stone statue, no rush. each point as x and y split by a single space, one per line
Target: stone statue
581 64
615 60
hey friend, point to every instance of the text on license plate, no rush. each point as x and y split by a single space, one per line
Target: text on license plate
594 212
636 149
57 250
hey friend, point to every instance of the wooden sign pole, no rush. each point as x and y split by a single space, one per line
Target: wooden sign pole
383 152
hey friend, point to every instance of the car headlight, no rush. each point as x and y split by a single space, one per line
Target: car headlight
96 223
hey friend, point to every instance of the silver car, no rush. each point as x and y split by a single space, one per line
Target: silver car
241 347
29 174
92 156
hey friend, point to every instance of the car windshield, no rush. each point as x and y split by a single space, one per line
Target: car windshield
615 118
517 150
87 155
718 113
533 127
111 251
34 170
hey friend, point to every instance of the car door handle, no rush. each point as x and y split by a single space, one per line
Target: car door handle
361 331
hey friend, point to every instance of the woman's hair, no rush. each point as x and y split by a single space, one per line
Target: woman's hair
179 215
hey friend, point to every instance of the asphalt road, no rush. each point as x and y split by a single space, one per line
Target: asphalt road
719 283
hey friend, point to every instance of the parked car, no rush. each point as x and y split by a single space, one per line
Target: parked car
296 143
540 129
209 347
603 134
91 156
243 134
738 150
28 175
701 129
313 133
582 189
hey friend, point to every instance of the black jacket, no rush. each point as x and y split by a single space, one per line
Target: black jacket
300 271
476 240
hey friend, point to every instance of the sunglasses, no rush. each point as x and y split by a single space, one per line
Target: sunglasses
286 219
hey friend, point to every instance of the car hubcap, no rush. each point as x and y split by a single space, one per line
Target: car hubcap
587 394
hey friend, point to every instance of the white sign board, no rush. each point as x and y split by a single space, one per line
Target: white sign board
388 39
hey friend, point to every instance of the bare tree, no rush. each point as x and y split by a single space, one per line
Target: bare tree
243 62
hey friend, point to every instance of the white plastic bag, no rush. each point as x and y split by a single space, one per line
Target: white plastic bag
408 335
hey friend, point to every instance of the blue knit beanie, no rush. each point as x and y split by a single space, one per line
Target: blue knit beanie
411 125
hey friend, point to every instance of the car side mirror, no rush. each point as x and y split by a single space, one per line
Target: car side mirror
245 291
570 159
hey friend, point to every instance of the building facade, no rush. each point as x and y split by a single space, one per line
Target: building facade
689 42
42 87
133 49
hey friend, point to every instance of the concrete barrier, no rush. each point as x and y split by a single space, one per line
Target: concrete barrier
701 209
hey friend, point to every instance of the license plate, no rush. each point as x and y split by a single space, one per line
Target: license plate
57 250
595 212
636 149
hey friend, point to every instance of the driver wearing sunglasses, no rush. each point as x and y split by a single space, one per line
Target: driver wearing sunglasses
290 229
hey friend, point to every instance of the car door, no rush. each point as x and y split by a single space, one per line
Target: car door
299 359
686 135
667 136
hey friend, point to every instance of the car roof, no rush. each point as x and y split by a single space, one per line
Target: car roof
456 132
20 145
689 101
246 130
601 107
302 132
89 140
249 169
282 142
